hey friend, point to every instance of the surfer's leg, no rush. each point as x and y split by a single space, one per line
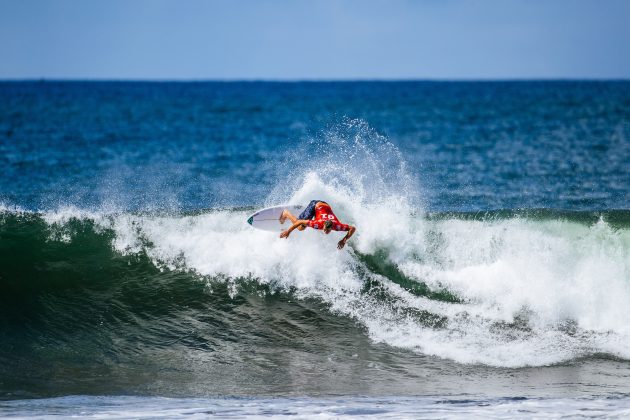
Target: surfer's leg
286 214
309 211
307 214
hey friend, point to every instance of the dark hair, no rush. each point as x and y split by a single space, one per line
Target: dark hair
328 224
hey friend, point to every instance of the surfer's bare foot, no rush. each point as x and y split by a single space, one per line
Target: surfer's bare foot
283 217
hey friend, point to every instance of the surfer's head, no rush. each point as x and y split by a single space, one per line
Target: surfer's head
328 224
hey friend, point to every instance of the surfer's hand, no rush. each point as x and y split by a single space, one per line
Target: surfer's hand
341 243
285 234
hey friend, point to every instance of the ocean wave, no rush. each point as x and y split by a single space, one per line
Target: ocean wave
501 289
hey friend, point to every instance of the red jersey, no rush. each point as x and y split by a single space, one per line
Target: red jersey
323 212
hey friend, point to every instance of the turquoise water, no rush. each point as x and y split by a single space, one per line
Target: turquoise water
490 269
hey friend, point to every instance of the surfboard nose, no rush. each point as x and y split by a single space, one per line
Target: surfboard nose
250 220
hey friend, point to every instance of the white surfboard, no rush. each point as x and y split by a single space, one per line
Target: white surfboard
269 219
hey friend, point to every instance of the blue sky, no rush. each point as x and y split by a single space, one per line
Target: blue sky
296 39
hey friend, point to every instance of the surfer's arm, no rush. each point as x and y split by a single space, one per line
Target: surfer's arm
297 224
342 242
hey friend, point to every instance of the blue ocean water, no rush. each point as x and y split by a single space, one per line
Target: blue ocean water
489 276
470 146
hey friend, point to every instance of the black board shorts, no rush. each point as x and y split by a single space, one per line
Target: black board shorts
309 211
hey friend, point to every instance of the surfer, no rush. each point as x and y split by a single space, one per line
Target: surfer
317 215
